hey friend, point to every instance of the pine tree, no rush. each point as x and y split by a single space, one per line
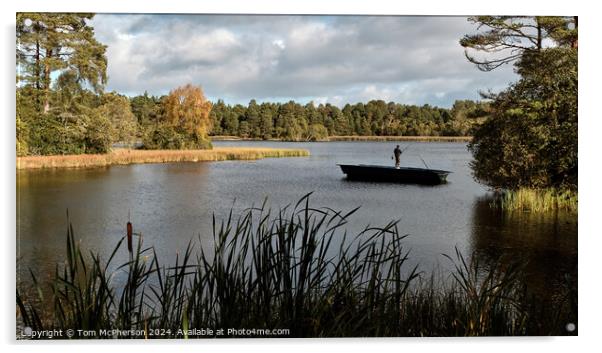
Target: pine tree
530 137
49 42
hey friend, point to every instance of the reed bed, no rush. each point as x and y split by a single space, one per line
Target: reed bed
128 156
537 201
281 270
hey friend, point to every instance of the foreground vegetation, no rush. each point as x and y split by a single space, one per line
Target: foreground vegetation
295 269
127 156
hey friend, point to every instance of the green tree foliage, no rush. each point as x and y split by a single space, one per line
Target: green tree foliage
317 132
466 114
69 127
99 132
25 111
530 138
22 133
117 110
295 122
61 69
147 110
49 42
164 136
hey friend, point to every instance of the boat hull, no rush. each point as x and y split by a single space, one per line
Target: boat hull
396 175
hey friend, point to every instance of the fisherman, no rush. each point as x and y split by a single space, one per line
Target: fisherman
397 153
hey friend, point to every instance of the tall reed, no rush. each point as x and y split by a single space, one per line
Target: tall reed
294 269
538 200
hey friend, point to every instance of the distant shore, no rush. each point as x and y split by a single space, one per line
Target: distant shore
128 156
359 138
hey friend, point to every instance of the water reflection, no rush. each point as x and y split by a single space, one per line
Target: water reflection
99 202
545 245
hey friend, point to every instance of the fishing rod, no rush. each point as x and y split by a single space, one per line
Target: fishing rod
426 165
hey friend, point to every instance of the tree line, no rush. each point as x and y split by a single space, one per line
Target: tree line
293 121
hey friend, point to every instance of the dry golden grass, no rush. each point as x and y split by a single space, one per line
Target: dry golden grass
127 156
228 138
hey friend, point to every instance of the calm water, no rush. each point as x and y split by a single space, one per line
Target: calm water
170 204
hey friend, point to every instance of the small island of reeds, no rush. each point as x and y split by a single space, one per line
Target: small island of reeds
128 156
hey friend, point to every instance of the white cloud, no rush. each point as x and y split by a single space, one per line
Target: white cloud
321 58
279 43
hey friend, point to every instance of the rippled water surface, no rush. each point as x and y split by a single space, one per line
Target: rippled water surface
170 204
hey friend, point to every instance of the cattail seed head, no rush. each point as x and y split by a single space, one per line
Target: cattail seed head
130 232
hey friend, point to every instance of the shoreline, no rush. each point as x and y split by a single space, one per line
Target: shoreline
355 138
129 156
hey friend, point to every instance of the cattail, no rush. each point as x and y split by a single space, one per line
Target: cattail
129 233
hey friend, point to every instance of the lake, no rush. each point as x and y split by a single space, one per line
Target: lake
170 204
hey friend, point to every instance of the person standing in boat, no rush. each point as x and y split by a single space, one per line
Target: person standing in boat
397 153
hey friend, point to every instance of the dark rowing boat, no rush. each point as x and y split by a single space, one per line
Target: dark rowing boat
392 174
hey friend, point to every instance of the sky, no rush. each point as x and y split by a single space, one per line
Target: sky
324 59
